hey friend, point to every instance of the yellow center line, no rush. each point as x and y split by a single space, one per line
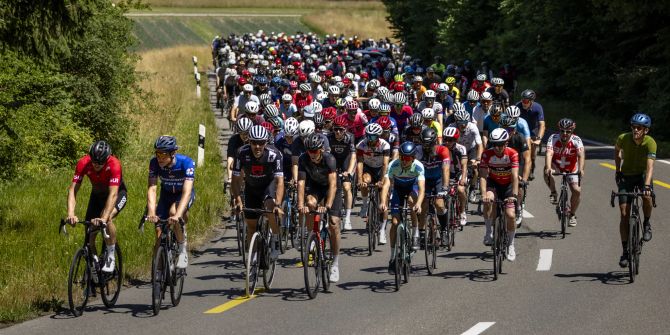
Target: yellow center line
659 183
232 304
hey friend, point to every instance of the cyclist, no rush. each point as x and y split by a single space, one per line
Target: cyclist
401 111
413 130
242 100
372 156
177 173
565 153
356 120
285 145
472 141
305 129
428 115
520 144
635 153
108 195
445 100
407 179
389 135
436 160
454 92
499 179
458 172
481 84
429 102
499 94
533 113
260 168
319 189
236 141
342 146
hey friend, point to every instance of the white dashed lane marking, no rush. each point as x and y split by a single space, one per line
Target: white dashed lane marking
478 328
544 263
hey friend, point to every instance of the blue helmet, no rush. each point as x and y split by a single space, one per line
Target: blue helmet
409 70
166 143
641 120
261 80
276 81
408 149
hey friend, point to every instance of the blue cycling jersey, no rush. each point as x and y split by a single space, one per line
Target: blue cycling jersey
173 177
521 126
405 178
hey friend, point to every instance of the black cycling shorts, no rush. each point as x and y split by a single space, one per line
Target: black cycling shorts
501 192
254 198
167 199
376 174
629 183
97 201
321 193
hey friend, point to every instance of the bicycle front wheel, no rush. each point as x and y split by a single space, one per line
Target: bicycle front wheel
111 285
253 264
429 243
372 224
633 243
176 278
271 266
563 204
79 283
159 274
312 265
326 260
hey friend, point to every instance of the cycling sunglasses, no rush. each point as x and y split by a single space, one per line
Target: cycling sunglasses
313 152
258 143
407 158
566 132
159 154
338 129
372 137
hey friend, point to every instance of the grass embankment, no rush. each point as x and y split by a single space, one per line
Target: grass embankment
304 4
36 259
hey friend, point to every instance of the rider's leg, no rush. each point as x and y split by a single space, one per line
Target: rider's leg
576 191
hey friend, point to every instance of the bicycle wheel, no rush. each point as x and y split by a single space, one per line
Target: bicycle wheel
312 265
270 265
452 223
495 247
285 227
176 275
238 232
79 283
159 272
407 257
253 264
326 260
429 242
563 204
633 240
111 285
243 238
638 250
502 245
372 222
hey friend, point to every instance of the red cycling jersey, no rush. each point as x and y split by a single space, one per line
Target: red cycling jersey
109 175
500 167
565 155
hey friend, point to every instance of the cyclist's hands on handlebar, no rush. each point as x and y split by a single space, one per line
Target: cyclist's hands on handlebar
383 207
72 220
303 209
548 171
321 209
647 190
174 219
362 185
97 222
487 198
277 210
153 219
417 209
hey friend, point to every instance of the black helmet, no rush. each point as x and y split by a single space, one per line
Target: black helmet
99 152
407 149
428 136
318 119
314 142
166 143
528 94
416 120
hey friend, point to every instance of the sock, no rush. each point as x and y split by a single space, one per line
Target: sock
442 218
336 260
182 247
624 244
383 227
510 237
111 249
348 214
488 223
416 232
275 237
646 221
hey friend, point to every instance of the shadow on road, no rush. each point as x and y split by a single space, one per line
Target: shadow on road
136 310
545 235
609 278
480 275
384 286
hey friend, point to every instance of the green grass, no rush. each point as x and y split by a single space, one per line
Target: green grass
36 259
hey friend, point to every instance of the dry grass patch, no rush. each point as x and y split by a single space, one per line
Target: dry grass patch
320 4
364 23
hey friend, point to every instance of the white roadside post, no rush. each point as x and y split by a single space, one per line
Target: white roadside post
197 76
201 145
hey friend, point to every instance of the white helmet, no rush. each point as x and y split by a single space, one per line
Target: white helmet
459 107
248 88
317 107
291 127
349 75
332 89
499 135
322 68
513 111
481 77
306 128
429 94
473 95
487 96
443 87
374 104
497 81
287 97
251 107
428 114
271 111
373 129
305 87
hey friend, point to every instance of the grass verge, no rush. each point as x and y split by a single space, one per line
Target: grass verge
364 23
300 4
36 259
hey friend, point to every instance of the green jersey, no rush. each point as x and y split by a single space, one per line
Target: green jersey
635 156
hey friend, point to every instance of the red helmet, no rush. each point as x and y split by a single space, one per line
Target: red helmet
246 73
296 64
329 113
346 81
302 78
434 86
385 122
241 81
364 75
399 86
268 126
302 103
329 73
341 121
293 84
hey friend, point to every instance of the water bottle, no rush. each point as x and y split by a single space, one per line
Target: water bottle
95 268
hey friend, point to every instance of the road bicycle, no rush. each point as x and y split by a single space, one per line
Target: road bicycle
290 232
563 205
474 193
374 218
448 233
431 238
164 270
500 238
317 255
402 252
237 217
519 209
635 241
259 256
86 276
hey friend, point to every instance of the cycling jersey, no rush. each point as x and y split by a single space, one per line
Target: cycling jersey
402 115
258 172
470 137
109 175
500 167
437 107
316 174
478 116
635 156
521 126
437 127
173 177
432 164
566 154
457 153
533 115
394 123
287 112
393 141
285 148
455 93
502 98
518 143
409 135
357 125
405 178
234 144
342 149
241 101
480 88
372 156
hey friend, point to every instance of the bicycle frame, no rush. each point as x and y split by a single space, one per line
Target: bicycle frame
563 207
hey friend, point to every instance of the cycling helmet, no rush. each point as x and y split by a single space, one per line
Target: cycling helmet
276 123
251 107
640 119
261 80
373 129
268 126
334 90
166 143
528 94
248 88
277 80
473 95
566 124
428 114
442 88
306 128
314 142
400 98
271 111
418 79
487 96
416 120
450 80
428 136
329 113
429 94
374 104
451 132
265 99
513 111
384 108
340 103
461 114
287 98
497 81
407 149
291 127
341 121
318 120
258 133
100 152
308 110
481 77
508 122
459 107
243 124
433 87
499 135
382 90
385 122
398 77
316 79
242 81
305 87
351 105
317 107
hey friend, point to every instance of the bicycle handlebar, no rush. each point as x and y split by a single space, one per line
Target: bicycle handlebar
160 221
62 227
632 194
565 174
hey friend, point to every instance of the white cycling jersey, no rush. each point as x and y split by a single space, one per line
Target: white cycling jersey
437 107
478 115
373 156
470 137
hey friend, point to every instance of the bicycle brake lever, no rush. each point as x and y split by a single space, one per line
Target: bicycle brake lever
62 229
612 199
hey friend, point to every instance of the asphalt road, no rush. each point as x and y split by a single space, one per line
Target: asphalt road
583 290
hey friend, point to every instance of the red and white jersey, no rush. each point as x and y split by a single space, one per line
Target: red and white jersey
500 167
566 155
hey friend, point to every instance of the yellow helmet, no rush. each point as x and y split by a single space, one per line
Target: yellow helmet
450 80
398 77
